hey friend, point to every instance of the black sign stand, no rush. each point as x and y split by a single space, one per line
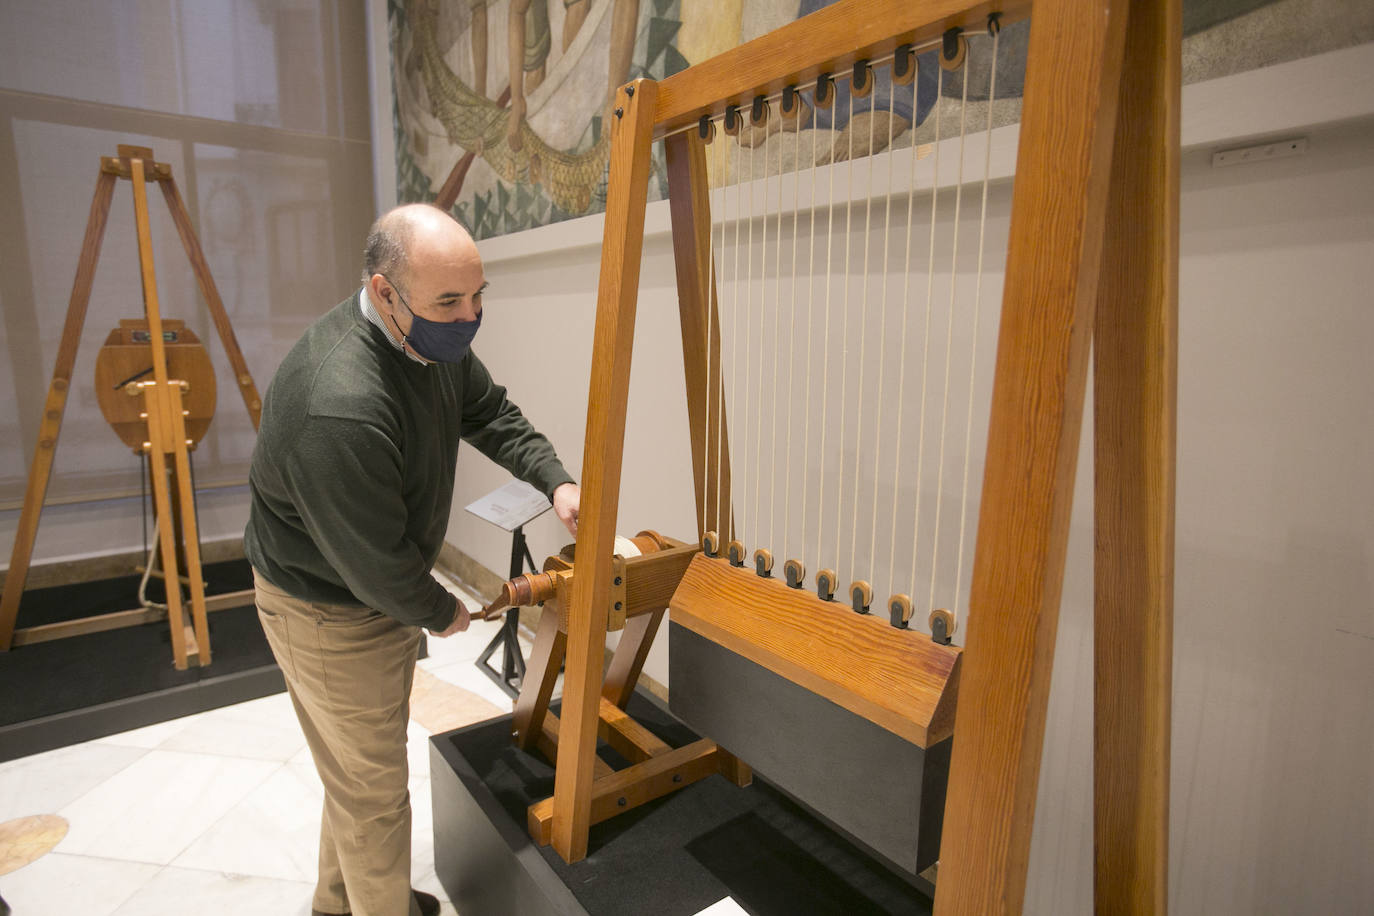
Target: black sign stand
512 662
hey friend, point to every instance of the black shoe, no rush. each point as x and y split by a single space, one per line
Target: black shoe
428 903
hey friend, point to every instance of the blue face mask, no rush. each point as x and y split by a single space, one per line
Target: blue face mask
437 341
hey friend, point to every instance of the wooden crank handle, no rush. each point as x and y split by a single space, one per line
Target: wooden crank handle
522 591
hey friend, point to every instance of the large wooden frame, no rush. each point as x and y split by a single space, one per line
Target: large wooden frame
1092 259
166 447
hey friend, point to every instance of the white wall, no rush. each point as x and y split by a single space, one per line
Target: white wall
1273 756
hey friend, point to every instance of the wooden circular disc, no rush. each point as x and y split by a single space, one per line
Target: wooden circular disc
860 595
28 838
905 66
763 562
795 573
127 355
961 53
826 580
861 83
791 106
824 96
706 129
732 121
899 610
758 112
737 553
710 544
946 616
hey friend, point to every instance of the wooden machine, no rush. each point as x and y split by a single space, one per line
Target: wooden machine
156 388
1091 266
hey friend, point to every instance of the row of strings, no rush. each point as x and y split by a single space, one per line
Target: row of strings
854 330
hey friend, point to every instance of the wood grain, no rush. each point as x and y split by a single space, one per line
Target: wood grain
1054 254
689 206
898 679
541 673
201 268
40 469
829 40
1135 397
630 787
622 247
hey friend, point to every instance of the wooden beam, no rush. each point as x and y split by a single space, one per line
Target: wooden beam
1058 212
116 620
1135 395
40 469
630 787
627 737
622 247
689 205
829 40
541 673
898 679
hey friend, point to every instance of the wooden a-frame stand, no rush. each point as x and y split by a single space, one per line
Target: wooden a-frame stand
166 445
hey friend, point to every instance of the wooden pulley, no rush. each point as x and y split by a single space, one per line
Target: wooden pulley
826 580
905 66
736 553
941 626
758 111
763 562
824 96
126 359
861 83
791 103
953 50
732 121
795 573
706 129
710 544
860 596
522 591
899 610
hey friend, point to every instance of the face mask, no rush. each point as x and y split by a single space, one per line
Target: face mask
437 341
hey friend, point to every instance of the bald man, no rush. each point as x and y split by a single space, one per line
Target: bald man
351 484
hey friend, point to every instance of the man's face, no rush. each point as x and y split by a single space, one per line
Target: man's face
445 283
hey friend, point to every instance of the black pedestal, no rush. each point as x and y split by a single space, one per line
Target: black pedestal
672 857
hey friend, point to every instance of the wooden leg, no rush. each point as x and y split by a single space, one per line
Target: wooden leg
154 401
53 408
628 661
186 518
540 674
1135 401
201 267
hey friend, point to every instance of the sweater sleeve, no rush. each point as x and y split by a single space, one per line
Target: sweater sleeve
498 429
345 478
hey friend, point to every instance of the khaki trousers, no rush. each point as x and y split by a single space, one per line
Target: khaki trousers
349 672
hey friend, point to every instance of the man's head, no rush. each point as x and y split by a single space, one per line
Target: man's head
419 261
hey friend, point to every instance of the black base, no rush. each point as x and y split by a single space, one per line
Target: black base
69 690
672 857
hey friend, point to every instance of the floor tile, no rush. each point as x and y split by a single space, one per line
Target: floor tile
48 782
177 891
273 832
157 806
59 883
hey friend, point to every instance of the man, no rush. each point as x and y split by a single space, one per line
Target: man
351 483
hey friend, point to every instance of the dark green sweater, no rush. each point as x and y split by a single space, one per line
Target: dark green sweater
352 476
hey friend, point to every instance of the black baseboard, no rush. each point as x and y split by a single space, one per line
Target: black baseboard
34 736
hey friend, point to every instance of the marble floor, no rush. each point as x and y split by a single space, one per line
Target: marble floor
216 813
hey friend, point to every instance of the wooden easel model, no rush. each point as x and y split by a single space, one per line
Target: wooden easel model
166 444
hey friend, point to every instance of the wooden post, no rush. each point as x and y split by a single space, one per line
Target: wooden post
698 309
631 135
1054 255
1135 408
40 471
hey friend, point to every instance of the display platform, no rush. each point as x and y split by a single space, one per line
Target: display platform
83 687
676 856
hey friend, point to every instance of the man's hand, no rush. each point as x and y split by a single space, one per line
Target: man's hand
461 619
565 503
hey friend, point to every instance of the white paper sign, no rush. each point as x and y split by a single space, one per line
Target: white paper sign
511 506
726 907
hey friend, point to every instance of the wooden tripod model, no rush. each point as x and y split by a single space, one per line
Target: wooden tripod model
166 445
641 587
